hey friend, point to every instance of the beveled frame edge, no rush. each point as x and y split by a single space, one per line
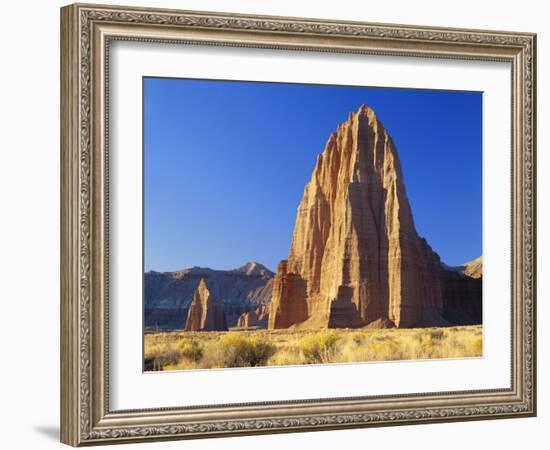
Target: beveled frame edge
85 34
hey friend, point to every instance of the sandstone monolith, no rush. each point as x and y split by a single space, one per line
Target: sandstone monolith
356 257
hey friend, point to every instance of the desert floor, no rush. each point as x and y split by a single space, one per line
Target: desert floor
203 350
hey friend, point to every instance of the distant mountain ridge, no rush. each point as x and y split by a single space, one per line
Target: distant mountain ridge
168 295
254 268
472 269
250 268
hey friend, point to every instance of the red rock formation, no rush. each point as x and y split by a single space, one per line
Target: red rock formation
356 258
256 318
204 313
289 300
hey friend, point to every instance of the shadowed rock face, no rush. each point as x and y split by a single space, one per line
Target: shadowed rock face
343 311
204 313
289 300
256 318
356 258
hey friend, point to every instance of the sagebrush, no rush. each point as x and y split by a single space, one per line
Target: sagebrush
204 350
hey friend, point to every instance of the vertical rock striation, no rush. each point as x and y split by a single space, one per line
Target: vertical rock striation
204 313
356 258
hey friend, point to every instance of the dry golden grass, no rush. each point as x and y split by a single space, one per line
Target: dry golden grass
204 350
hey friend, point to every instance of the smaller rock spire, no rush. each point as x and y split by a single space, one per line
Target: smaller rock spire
205 314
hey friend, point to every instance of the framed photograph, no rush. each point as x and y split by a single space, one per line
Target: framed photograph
275 224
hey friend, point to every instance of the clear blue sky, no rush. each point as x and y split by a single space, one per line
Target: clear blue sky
225 165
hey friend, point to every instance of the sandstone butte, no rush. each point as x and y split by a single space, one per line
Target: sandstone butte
204 313
356 258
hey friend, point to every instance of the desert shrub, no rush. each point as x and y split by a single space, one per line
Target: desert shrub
243 351
286 358
437 334
213 356
427 341
466 344
190 350
358 338
476 345
183 364
388 349
158 355
319 347
353 348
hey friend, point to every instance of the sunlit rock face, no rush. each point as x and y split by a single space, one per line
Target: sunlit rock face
204 313
356 258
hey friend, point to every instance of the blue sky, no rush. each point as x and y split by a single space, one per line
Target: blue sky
225 165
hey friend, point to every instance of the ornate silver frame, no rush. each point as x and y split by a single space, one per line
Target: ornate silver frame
86 31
